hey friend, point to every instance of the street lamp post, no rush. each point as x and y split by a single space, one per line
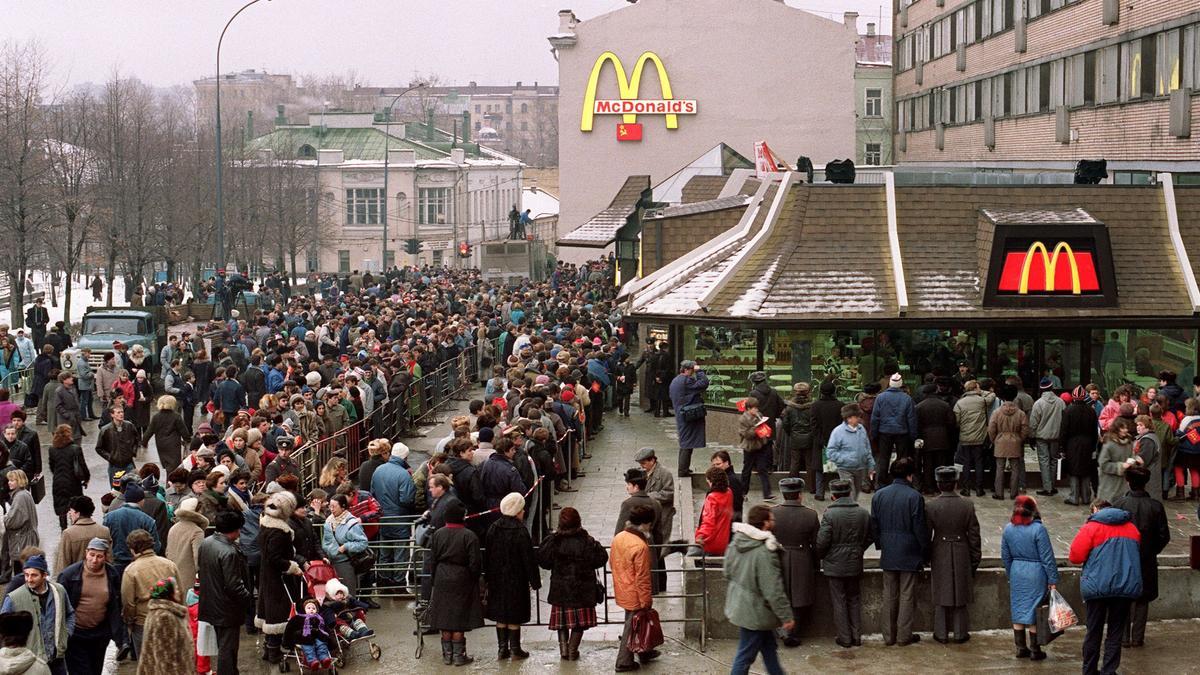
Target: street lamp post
387 137
220 160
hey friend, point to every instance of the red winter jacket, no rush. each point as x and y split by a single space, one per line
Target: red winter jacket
716 519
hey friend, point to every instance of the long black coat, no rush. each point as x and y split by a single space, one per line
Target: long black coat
955 551
935 424
66 407
455 565
275 543
796 528
169 432
1151 520
572 558
511 571
68 471
1079 437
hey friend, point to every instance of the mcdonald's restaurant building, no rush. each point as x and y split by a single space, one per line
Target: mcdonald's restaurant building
1079 283
655 85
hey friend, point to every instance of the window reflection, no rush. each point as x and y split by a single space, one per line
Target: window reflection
727 354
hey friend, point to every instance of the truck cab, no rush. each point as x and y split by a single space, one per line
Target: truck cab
101 326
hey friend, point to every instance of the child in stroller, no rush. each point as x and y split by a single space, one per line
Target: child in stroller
346 613
307 632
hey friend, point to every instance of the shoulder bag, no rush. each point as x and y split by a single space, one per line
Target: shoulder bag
692 412
363 561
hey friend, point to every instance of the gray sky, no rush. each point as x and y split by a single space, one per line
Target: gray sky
167 42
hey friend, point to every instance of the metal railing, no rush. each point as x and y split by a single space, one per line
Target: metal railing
12 381
422 403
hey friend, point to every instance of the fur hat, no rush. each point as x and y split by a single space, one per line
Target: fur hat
280 505
188 504
512 504
333 587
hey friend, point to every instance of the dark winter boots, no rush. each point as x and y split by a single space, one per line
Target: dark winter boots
502 651
459 653
447 652
1019 641
514 644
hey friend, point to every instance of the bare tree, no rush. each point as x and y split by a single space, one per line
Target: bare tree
72 177
23 165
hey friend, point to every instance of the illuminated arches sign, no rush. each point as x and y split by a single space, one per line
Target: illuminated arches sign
629 105
1051 266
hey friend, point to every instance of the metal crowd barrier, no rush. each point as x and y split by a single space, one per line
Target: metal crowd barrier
12 381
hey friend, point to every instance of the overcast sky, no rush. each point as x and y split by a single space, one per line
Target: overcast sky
167 42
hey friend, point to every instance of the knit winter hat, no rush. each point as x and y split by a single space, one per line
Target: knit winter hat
512 504
400 450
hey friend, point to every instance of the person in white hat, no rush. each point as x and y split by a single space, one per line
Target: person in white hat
893 426
392 485
511 570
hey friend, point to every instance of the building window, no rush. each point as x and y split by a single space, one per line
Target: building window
434 206
873 154
312 259
363 206
389 259
307 151
477 108
874 103
344 262
524 107
478 125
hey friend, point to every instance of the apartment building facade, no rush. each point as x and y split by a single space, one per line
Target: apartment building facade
1041 84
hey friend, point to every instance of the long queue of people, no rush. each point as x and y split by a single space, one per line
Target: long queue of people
218 532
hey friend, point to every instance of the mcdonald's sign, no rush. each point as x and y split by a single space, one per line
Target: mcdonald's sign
629 106
1062 270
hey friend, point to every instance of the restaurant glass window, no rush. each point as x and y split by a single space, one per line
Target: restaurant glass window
1137 355
844 357
1015 355
727 354
1062 356
930 352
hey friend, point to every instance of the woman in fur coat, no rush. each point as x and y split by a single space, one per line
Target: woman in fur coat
278 553
167 640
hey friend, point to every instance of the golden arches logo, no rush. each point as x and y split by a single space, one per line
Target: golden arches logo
1049 265
627 86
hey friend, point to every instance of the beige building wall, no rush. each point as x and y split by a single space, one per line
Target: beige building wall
801 103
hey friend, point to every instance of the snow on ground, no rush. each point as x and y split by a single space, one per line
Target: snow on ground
81 297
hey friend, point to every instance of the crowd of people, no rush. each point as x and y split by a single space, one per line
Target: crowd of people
225 533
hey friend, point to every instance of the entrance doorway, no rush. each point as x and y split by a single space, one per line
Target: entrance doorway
1059 355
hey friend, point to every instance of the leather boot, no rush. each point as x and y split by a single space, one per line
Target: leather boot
1036 653
459 649
447 652
1019 641
563 636
573 644
502 650
514 644
274 654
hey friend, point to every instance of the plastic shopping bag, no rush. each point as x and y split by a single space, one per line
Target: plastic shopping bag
1061 616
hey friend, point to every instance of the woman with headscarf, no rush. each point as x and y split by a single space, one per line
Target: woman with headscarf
166 636
1032 572
511 571
143 398
341 538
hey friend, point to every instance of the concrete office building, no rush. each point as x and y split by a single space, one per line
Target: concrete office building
1041 84
703 56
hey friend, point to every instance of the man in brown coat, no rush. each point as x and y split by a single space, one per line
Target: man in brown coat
954 555
72 546
1008 429
796 528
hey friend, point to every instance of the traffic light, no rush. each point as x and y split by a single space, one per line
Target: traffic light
464 250
412 246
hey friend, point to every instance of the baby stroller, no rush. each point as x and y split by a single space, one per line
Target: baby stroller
319 572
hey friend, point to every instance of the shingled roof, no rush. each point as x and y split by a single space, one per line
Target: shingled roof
601 229
826 256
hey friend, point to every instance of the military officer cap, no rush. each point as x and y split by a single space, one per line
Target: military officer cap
791 485
946 474
840 487
644 454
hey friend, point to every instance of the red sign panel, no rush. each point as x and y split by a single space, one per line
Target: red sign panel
629 132
1039 271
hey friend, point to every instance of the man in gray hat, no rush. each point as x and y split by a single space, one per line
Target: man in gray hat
954 555
844 536
660 486
796 528
97 603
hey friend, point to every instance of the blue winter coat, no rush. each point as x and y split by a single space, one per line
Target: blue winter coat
120 522
392 486
1108 548
850 449
498 477
686 390
349 533
1029 563
598 371
898 527
894 413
